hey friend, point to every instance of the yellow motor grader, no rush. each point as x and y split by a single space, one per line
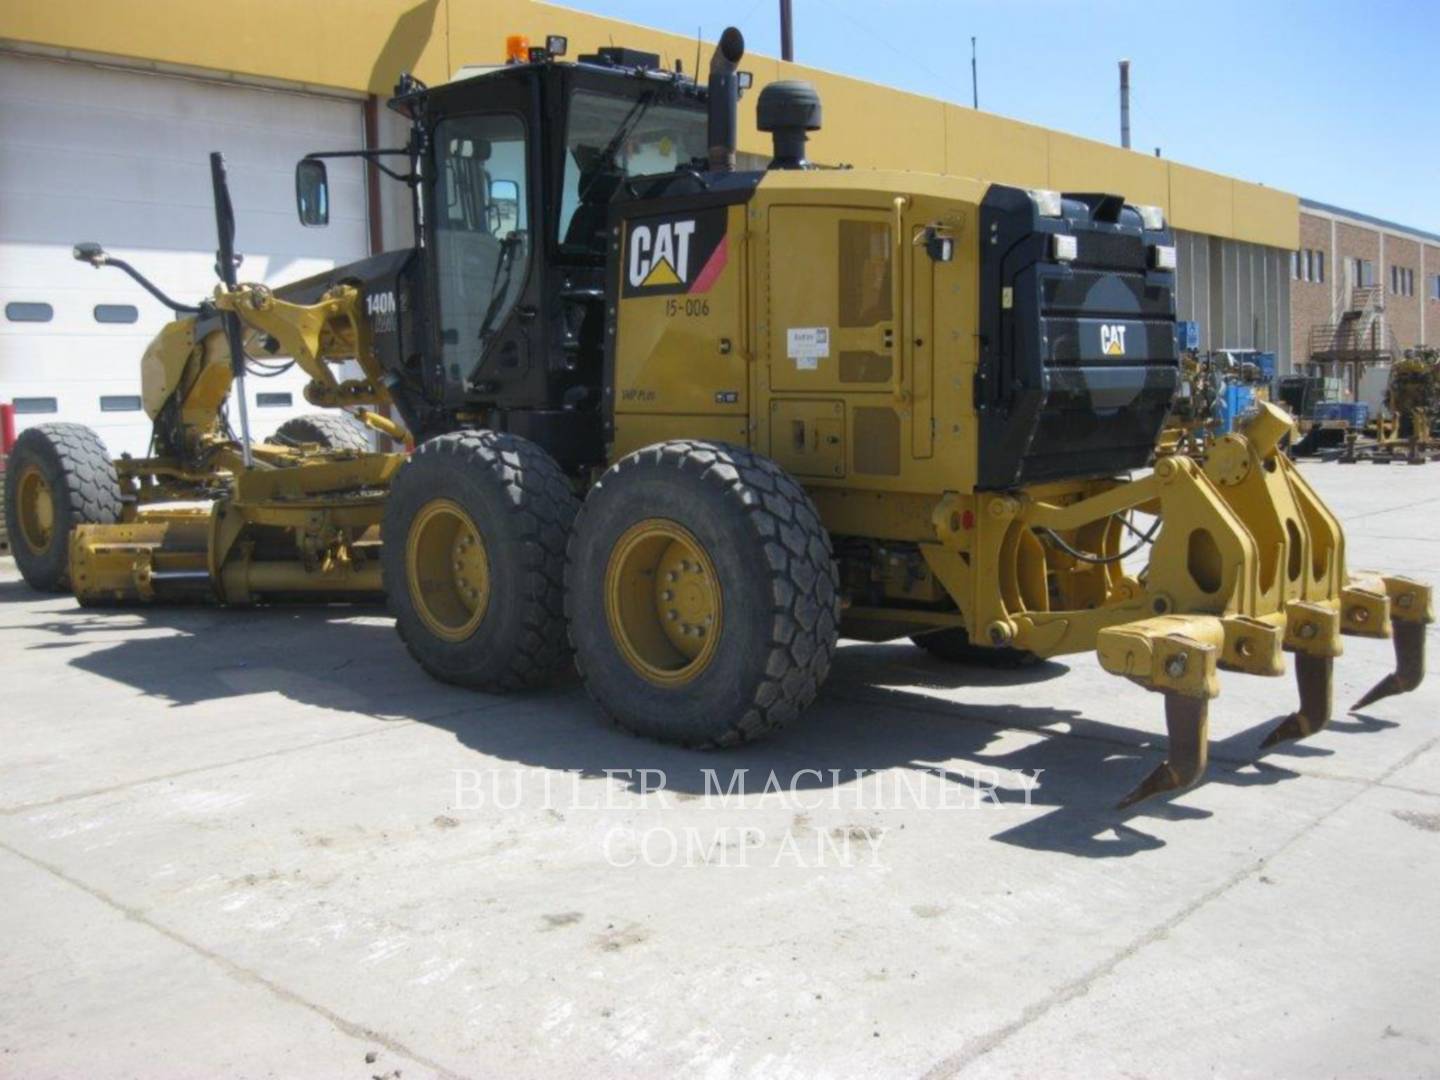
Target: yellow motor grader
1412 403
683 425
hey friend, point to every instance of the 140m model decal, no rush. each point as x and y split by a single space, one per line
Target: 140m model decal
673 253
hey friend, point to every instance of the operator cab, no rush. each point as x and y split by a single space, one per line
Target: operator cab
499 314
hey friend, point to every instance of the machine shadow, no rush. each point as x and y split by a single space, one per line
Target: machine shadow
16 591
349 658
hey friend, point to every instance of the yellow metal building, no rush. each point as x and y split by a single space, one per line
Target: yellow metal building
113 105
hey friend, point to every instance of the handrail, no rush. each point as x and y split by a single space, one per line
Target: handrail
899 254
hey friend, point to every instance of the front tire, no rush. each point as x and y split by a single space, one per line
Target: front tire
329 431
474 559
58 476
702 594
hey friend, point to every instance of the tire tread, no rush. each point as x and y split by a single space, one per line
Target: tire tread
804 583
332 430
91 488
538 494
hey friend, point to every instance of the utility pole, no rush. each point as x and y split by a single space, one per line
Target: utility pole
974 77
787 31
1125 104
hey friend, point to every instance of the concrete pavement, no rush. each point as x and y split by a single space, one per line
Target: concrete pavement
265 844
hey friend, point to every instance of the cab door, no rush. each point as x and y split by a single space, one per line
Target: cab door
482 250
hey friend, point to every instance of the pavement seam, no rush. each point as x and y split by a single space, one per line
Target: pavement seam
385 726
1388 510
962 1059
236 971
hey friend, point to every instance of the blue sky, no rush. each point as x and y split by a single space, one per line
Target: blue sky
1334 101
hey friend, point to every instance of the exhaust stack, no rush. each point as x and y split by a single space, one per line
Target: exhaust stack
724 93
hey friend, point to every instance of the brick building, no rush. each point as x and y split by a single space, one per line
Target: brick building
1348 261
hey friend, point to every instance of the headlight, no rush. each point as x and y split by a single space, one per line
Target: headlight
1152 217
1163 257
1064 247
1047 203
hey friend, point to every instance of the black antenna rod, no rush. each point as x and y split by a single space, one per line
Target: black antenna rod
225 268
974 77
787 31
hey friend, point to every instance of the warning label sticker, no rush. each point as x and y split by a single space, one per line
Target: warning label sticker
807 345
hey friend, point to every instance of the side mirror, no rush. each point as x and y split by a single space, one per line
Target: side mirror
938 246
312 192
91 252
503 207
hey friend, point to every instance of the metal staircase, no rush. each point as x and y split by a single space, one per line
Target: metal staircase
1361 335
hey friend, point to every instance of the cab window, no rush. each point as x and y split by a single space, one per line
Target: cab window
482 242
610 138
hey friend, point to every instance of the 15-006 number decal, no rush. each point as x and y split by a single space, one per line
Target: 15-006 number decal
697 308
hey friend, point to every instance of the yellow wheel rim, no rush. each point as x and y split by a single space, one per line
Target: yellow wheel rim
37 509
663 602
448 570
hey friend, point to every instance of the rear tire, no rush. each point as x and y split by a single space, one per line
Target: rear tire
474 560
954 646
331 431
702 594
57 476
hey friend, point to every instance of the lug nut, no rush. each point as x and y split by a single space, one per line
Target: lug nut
672 576
667 595
672 615
1175 666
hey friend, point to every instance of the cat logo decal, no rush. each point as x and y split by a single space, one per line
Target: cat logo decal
674 253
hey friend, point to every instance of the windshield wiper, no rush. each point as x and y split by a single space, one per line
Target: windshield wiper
500 288
612 148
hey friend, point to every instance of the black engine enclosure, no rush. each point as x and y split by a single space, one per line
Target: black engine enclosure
1078 361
